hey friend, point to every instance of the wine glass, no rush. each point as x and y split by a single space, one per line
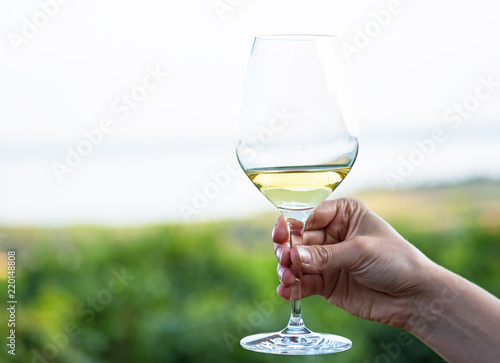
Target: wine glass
297 142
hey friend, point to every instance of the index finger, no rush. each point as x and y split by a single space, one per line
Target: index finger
281 238
339 219
280 231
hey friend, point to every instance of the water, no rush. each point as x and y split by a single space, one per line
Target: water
127 181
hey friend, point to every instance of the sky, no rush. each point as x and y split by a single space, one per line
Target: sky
150 92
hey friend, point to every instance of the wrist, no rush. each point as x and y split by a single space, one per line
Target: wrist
434 303
459 320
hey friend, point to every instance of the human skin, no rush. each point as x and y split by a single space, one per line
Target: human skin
358 262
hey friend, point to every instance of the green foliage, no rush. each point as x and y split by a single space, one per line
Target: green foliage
188 293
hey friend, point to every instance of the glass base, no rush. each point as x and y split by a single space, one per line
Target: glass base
291 343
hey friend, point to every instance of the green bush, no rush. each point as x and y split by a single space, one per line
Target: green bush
188 293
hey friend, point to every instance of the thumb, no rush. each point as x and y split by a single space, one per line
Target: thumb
322 258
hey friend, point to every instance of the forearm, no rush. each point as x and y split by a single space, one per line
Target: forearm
458 320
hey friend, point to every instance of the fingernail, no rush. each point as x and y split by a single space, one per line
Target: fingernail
280 273
277 221
305 255
279 252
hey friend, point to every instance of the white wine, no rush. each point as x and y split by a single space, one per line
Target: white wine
298 187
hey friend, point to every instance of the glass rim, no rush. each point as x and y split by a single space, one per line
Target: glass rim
296 37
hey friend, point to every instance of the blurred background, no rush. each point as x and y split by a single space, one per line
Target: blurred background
135 238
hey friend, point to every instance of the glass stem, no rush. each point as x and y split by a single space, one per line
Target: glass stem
296 314
296 222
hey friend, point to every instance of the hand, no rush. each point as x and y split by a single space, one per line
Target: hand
356 261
